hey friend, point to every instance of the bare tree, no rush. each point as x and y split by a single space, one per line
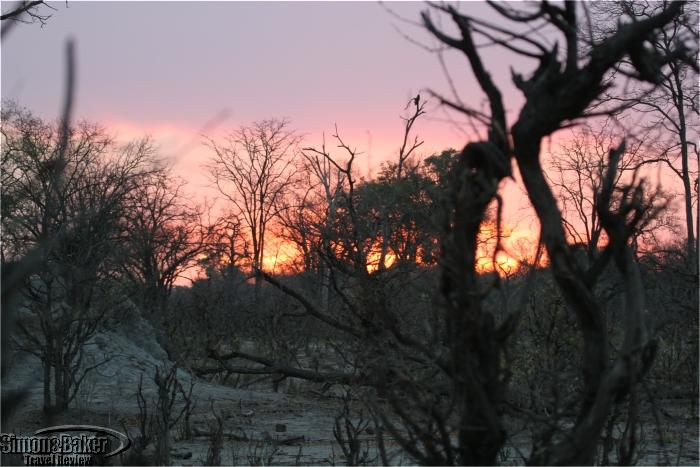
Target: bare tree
24 12
227 246
81 214
566 83
16 272
165 236
21 8
576 171
319 223
300 215
361 323
158 416
406 150
671 109
366 334
252 168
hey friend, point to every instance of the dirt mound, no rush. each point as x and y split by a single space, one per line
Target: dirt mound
124 355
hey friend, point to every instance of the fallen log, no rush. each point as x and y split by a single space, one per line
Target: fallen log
241 436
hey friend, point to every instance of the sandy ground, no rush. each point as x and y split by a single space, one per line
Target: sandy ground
251 418
259 426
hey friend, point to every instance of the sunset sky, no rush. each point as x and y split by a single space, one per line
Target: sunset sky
168 68
178 70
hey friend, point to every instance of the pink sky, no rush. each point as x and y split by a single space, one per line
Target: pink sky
167 68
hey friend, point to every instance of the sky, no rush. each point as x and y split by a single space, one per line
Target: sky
180 70
168 68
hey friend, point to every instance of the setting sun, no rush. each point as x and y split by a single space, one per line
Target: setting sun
374 260
280 257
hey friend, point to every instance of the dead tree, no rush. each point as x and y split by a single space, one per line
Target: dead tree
557 94
25 264
576 171
317 223
671 108
165 235
158 416
348 428
363 326
226 246
406 150
27 11
216 439
252 169
165 417
447 391
79 215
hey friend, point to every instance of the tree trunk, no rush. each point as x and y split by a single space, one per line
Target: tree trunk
685 171
163 446
61 402
47 383
257 261
325 287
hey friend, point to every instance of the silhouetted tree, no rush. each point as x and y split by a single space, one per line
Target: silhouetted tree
568 80
671 108
576 171
77 218
166 234
253 168
24 12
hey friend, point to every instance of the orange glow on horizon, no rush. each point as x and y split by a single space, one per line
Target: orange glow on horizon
280 257
518 250
374 259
